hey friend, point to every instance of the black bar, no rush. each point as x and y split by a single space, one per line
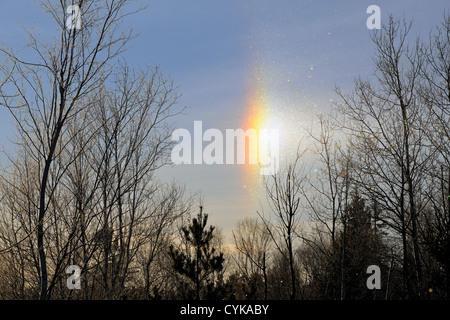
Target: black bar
169 310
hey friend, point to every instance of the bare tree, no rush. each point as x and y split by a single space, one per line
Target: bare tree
435 93
328 193
48 91
91 151
252 242
391 154
284 192
133 142
166 208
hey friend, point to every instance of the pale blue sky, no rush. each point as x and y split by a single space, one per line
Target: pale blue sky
211 48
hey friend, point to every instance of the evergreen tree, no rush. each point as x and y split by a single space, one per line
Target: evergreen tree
360 245
198 259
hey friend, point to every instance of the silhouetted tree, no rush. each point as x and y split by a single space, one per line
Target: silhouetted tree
252 242
284 192
383 120
198 260
361 246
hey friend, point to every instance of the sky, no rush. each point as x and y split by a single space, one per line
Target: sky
243 64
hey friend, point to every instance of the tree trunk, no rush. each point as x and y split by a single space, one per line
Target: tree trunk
412 207
42 208
266 291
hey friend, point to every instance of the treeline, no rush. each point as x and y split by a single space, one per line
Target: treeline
378 192
80 188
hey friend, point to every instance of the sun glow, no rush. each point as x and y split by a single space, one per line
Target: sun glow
256 116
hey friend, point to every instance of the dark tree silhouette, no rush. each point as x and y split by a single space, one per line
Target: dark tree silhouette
360 245
198 260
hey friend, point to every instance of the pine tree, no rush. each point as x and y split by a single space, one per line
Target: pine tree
360 246
198 260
